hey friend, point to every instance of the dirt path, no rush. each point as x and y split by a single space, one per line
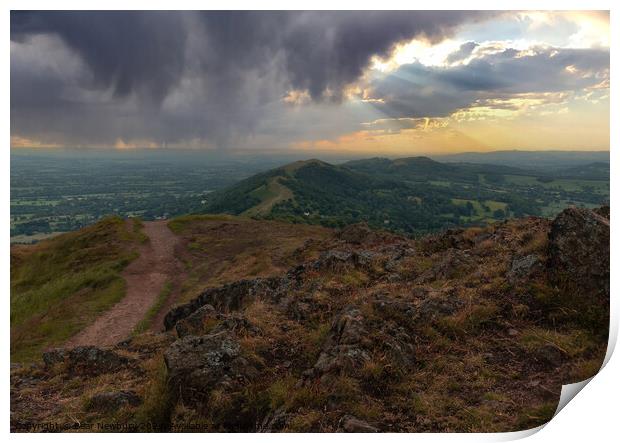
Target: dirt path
145 278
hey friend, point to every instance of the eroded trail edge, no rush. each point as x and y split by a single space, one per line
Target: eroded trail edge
145 278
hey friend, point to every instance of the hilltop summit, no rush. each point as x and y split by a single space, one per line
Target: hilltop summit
352 330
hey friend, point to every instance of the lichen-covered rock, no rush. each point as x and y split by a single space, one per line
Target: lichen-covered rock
579 254
523 266
344 348
54 356
90 360
196 365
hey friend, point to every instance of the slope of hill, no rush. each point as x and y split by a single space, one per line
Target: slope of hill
352 330
410 195
60 285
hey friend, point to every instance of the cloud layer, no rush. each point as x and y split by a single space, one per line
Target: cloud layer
266 79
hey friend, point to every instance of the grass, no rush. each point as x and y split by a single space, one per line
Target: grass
157 406
219 249
269 194
570 185
572 344
61 285
179 224
146 322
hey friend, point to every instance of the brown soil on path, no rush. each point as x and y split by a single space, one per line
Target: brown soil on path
145 278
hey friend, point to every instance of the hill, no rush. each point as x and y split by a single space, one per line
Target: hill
544 161
411 196
284 327
60 285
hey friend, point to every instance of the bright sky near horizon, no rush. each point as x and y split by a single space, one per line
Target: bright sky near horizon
392 83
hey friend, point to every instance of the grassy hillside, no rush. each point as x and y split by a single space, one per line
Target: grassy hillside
60 285
413 195
222 249
299 328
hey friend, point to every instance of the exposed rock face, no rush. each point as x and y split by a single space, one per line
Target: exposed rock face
196 365
207 320
579 253
90 360
111 401
343 348
229 297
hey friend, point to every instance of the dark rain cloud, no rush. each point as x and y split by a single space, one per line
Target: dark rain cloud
224 67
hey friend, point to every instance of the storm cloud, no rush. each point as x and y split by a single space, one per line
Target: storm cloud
221 78
198 74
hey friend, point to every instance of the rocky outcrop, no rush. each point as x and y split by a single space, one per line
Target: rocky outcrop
230 297
579 254
196 365
344 347
86 360
90 360
54 356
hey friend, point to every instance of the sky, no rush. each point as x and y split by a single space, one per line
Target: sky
376 82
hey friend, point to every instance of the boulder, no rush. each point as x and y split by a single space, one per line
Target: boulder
90 360
579 254
196 365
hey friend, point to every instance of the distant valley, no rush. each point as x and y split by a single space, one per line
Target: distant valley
53 193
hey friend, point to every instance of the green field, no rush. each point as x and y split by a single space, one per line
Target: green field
570 185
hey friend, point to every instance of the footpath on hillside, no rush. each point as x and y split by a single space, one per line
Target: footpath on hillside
145 278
